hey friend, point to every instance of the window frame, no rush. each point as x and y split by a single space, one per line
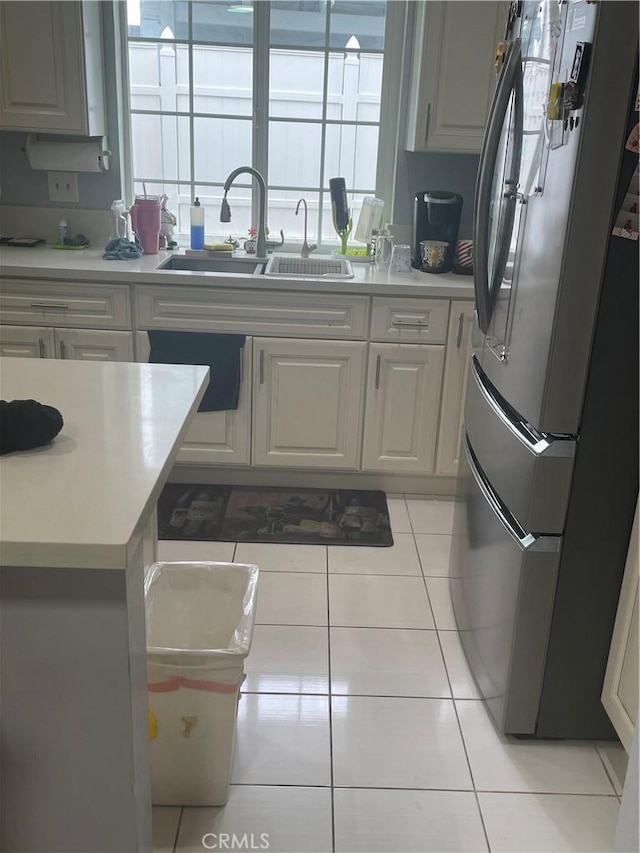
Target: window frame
389 125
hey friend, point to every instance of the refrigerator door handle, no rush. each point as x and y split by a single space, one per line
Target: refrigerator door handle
537 443
525 541
508 79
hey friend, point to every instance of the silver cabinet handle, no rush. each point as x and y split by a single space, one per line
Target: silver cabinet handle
53 306
460 330
426 123
63 349
241 364
261 367
42 348
398 324
378 360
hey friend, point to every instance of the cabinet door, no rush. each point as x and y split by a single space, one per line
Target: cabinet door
461 320
453 75
50 61
620 688
403 402
217 438
94 345
26 342
307 403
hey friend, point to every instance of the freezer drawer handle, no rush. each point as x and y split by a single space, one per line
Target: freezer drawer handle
525 541
537 443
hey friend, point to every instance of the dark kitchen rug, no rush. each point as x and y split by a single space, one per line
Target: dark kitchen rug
263 514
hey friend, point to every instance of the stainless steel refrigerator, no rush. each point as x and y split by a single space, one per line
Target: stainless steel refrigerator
549 474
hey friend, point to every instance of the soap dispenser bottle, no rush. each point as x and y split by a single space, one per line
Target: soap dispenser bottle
197 225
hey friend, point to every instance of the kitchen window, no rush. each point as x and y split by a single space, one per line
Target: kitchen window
291 87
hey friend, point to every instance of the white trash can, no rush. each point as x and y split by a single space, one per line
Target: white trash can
199 628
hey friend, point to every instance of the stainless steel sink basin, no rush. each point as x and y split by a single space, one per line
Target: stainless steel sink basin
315 267
244 266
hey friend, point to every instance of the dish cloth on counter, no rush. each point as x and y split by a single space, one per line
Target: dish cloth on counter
25 424
121 249
221 353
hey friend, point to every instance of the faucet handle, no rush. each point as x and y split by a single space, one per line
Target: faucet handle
273 244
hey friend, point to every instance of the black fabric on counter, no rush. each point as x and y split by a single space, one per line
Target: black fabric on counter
25 424
220 353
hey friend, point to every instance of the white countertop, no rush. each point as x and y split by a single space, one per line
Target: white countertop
80 502
88 266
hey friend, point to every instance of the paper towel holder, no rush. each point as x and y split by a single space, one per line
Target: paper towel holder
90 154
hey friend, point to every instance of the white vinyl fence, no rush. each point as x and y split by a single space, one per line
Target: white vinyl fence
163 147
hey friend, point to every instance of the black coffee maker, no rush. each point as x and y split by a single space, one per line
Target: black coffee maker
436 216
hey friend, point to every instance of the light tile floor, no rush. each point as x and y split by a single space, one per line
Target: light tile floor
360 727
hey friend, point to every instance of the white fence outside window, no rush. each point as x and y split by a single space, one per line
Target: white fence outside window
222 130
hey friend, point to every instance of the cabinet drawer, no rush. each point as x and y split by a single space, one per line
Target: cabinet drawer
299 315
88 306
421 321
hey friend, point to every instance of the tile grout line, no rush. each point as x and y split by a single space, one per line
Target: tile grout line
455 711
534 793
330 709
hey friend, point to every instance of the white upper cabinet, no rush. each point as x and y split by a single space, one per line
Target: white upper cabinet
453 74
51 68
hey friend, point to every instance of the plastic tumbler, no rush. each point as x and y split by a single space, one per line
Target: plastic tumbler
401 259
146 214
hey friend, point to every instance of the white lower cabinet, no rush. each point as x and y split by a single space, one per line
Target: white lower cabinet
94 345
26 342
82 344
307 403
454 387
217 438
403 404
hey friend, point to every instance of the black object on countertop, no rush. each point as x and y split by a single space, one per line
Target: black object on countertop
221 353
436 216
25 424
338 191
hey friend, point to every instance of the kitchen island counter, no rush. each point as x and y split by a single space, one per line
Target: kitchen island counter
78 502
75 520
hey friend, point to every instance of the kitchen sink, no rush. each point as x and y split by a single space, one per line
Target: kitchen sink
293 266
244 266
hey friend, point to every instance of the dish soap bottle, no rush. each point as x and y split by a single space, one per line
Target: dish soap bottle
197 225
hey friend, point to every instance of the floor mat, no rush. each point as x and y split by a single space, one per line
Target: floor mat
265 514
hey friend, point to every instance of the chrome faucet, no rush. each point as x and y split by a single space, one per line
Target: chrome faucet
306 248
225 210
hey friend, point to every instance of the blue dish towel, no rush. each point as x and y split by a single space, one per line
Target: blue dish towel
221 353
121 249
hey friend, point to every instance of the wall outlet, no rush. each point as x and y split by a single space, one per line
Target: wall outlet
63 186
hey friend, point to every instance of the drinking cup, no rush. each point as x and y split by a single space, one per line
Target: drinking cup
401 259
433 254
145 220
384 249
463 257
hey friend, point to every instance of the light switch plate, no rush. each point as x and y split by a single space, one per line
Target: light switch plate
63 186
